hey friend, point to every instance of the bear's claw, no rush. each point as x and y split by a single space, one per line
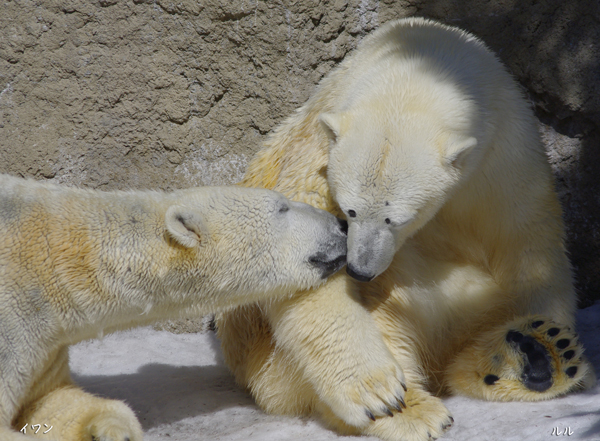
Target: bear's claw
400 404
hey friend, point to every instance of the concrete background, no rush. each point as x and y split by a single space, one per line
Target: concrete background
168 94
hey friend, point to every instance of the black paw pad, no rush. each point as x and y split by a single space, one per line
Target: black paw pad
571 371
514 336
563 343
553 332
537 324
568 355
537 369
490 379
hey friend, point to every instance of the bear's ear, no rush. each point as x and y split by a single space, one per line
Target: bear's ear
331 123
185 225
459 149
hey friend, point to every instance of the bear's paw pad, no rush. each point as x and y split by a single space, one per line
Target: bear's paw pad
543 356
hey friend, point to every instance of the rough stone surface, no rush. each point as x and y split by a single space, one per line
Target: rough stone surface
173 93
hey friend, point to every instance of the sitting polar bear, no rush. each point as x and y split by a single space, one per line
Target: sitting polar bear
427 146
78 263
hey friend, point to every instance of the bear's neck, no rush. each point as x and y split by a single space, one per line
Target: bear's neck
502 223
125 271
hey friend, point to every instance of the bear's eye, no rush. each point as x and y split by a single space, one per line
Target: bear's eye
351 213
387 220
284 208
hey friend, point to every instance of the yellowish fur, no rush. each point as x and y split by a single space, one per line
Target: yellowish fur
482 252
75 264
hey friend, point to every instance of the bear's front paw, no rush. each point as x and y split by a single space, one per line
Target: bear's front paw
366 394
424 419
112 421
532 358
76 415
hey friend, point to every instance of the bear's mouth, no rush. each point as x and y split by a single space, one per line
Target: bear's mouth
357 276
327 267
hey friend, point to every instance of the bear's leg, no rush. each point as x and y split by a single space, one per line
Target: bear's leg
73 414
284 381
531 358
22 355
425 417
338 347
335 350
278 386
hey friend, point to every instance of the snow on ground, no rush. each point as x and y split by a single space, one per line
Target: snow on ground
181 391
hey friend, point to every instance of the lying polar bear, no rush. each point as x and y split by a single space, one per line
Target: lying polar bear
78 263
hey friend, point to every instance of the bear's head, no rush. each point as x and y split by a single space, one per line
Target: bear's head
248 242
390 169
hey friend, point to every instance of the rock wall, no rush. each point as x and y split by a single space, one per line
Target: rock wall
173 93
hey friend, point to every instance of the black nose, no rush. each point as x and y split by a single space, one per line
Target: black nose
343 226
358 276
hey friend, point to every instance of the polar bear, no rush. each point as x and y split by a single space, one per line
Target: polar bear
425 143
75 264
